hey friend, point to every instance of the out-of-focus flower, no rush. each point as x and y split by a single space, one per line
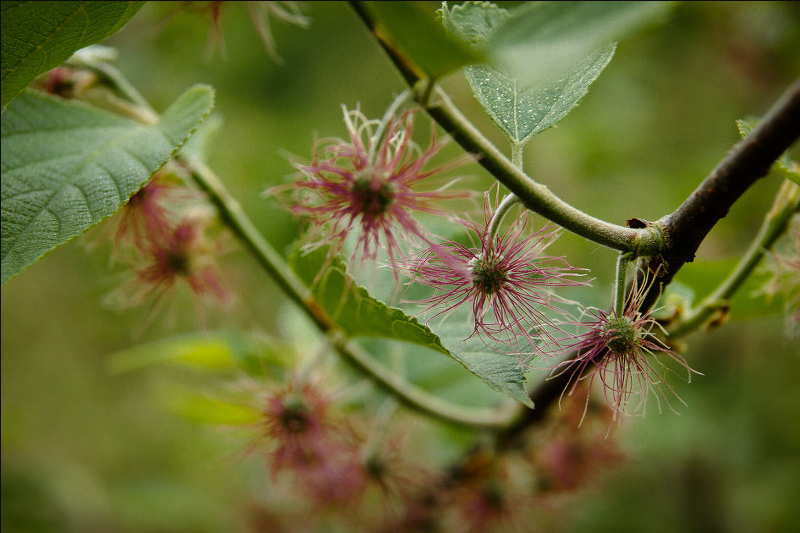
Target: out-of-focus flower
396 487
484 498
569 453
505 278
183 254
307 441
66 82
146 218
367 186
618 351
261 12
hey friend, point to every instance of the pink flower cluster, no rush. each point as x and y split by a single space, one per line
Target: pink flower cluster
329 459
622 352
165 242
367 187
318 450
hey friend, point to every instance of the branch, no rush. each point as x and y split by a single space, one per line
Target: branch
775 223
686 228
745 164
534 195
673 240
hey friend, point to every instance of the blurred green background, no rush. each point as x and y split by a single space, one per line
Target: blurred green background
85 449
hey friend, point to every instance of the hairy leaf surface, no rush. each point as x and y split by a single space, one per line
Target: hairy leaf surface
66 166
39 36
520 110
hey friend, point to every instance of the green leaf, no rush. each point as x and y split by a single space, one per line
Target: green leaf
39 36
520 111
541 41
66 166
472 22
500 371
359 314
352 307
199 408
414 32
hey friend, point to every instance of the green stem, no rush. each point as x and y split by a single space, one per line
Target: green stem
537 197
507 203
516 155
787 203
510 199
296 290
619 284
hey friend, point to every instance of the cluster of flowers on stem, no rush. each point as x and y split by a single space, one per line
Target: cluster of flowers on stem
367 186
327 456
346 474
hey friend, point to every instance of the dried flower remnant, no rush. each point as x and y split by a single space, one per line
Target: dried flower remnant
505 278
366 186
618 351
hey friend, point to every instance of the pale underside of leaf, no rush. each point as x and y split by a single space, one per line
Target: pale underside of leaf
361 315
542 40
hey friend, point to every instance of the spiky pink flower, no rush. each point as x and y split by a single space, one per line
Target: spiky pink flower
505 278
622 351
368 186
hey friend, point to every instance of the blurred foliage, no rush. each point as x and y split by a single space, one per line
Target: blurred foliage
88 449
